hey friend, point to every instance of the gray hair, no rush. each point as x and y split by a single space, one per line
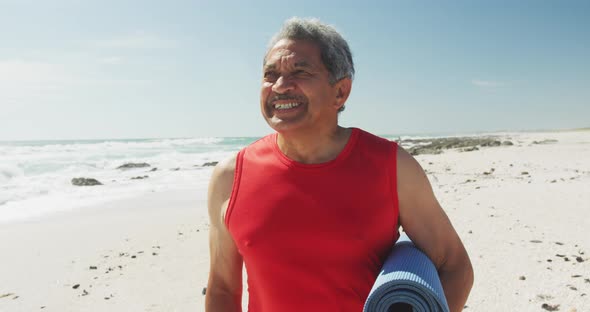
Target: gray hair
334 50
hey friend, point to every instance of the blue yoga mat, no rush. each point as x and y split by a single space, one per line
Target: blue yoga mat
408 277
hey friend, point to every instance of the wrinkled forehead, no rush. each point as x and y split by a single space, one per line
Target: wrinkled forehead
293 53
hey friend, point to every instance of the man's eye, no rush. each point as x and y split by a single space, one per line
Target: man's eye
299 73
270 75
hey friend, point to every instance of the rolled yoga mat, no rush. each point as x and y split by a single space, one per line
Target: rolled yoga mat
408 277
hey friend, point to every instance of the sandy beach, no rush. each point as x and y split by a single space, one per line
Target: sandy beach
522 210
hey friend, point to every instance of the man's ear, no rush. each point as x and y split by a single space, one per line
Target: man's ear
343 88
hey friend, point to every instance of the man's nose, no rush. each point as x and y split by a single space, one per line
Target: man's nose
282 85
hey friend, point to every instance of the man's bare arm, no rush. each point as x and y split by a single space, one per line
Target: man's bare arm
428 226
224 288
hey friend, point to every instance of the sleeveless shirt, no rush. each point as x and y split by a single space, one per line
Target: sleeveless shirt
313 237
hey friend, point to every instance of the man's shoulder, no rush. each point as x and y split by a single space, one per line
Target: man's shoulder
404 160
223 173
366 135
227 165
375 142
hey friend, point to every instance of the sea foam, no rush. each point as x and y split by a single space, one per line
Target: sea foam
35 177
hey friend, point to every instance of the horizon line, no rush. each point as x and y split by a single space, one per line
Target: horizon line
450 133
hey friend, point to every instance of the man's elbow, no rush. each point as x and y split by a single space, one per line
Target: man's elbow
221 300
458 271
469 275
221 296
464 268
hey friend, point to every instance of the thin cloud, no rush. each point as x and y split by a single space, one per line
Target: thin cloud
138 40
20 78
112 60
30 80
27 71
487 83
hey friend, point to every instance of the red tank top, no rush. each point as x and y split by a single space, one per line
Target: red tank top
314 237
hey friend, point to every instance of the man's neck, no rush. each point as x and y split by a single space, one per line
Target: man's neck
314 147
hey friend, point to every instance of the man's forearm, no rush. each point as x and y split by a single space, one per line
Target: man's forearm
457 284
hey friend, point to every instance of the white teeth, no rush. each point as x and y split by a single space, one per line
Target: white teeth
286 105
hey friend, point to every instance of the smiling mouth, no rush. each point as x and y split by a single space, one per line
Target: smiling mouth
285 106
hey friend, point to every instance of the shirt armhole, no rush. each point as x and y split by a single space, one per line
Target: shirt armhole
393 183
235 186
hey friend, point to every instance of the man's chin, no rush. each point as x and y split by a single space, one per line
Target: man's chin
283 125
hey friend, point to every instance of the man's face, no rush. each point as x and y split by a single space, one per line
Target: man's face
296 90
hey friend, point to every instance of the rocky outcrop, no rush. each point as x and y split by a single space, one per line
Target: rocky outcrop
546 141
492 143
133 165
470 149
438 145
85 182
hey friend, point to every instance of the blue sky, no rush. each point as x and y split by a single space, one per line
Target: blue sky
142 69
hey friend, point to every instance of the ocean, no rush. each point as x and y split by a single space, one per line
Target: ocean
36 176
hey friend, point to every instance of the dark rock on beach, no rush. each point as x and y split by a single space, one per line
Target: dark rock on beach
210 164
471 149
550 307
85 182
491 143
140 178
546 141
133 165
419 150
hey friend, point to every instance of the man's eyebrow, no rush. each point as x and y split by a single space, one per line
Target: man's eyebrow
270 67
298 64
301 64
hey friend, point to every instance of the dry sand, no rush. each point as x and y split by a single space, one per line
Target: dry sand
523 212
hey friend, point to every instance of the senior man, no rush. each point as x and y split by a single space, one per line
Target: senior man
313 209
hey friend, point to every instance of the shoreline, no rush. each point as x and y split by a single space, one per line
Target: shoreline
426 135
